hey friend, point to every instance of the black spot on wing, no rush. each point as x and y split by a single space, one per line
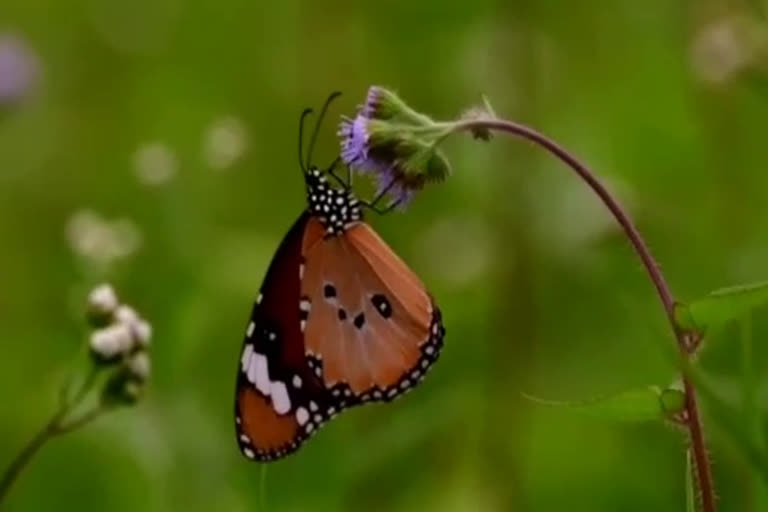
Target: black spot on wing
382 305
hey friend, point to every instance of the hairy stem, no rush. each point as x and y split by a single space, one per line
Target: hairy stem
26 454
57 425
686 341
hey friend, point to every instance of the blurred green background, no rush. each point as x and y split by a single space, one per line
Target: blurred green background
151 143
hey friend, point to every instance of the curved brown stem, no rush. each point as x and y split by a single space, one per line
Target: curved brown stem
686 341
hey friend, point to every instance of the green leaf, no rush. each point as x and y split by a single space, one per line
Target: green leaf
721 306
638 405
690 490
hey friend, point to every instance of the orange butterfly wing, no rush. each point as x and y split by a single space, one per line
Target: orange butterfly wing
372 328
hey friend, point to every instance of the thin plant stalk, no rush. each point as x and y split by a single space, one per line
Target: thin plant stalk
749 383
263 489
686 341
57 425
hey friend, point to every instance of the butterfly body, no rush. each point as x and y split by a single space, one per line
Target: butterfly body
340 320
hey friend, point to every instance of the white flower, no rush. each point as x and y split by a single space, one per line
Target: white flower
100 241
127 315
225 142
140 329
103 299
155 163
728 47
140 366
142 332
112 341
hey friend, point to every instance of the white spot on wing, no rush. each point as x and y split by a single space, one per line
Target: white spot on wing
312 406
249 331
258 372
246 359
296 381
249 453
302 416
280 400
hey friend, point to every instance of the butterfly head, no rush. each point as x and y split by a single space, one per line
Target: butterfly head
336 207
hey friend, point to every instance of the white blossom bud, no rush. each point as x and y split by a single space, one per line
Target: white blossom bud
126 315
142 333
140 366
111 342
131 391
103 299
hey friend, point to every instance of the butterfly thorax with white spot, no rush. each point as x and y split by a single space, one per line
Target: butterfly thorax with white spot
337 209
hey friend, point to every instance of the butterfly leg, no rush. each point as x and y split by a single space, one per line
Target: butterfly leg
372 204
331 170
391 206
349 176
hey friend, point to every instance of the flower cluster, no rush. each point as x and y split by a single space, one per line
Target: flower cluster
394 143
19 69
120 340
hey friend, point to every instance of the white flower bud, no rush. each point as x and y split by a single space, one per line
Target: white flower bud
112 341
131 391
103 299
140 366
126 315
142 333
140 329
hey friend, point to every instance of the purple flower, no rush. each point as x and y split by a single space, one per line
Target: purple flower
373 103
354 140
378 161
393 143
18 69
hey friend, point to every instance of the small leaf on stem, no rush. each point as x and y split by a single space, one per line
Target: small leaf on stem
634 406
721 307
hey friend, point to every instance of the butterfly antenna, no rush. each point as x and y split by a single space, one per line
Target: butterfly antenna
319 122
303 117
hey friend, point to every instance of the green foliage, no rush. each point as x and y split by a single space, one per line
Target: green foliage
721 307
638 405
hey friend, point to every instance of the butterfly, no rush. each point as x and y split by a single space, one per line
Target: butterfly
340 320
